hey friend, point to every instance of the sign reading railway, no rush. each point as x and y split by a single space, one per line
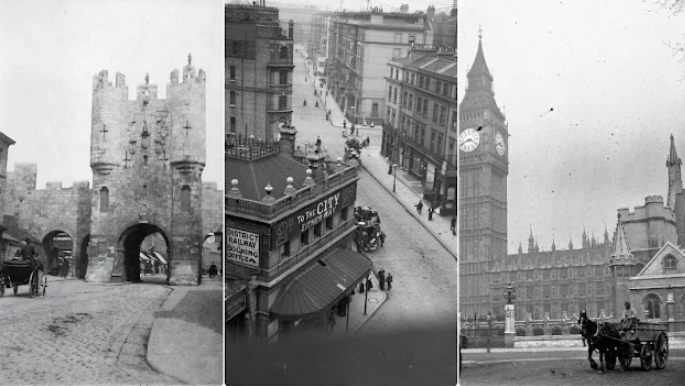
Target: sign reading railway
242 247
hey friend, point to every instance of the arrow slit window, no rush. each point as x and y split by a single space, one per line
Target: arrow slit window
104 200
185 199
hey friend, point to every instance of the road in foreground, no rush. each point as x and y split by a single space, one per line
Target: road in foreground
562 368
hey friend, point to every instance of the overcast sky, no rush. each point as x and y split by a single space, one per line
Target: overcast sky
51 49
617 92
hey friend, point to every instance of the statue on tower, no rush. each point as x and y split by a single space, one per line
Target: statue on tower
147 78
190 59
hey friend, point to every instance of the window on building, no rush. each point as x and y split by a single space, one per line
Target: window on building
145 160
435 112
387 114
304 237
394 95
231 73
439 152
284 52
580 290
282 102
411 101
285 249
104 200
423 133
392 70
232 126
374 109
446 89
418 105
670 263
318 229
344 213
428 82
329 223
404 99
283 77
443 113
420 81
438 86
425 107
235 48
232 98
652 305
389 93
432 144
565 291
185 198
412 79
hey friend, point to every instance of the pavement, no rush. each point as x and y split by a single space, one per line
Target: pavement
186 340
407 189
358 315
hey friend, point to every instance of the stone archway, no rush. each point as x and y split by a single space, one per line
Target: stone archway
58 244
128 249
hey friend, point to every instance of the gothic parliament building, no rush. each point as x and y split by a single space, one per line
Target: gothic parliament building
597 276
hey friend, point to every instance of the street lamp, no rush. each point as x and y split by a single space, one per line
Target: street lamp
394 175
489 318
510 294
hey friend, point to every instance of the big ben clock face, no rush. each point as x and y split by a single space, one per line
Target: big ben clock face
499 144
468 140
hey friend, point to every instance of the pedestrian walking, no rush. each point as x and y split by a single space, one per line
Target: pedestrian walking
390 169
419 206
430 213
361 287
381 279
368 140
389 281
318 141
382 238
369 284
453 225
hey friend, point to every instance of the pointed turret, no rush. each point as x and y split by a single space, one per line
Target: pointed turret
570 243
675 184
586 240
479 75
594 240
531 241
554 247
520 248
621 250
606 235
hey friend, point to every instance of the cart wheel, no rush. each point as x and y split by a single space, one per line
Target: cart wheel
610 360
646 357
661 351
15 288
44 283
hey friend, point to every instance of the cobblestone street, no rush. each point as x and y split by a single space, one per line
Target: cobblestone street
79 333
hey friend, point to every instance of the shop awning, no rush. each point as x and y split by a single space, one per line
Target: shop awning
159 257
144 256
322 284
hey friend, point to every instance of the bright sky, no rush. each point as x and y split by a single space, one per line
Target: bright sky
51 49
617 92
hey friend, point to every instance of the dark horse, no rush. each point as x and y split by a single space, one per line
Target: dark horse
602 337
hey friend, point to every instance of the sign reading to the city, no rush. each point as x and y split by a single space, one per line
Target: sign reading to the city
242 247
312 215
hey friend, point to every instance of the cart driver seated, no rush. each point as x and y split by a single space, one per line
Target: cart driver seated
28 251
629 319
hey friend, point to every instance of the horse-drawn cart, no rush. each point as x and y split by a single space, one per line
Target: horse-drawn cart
645 340
14 273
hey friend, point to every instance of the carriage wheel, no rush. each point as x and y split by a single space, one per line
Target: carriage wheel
44 282
610 360
646 357
661 351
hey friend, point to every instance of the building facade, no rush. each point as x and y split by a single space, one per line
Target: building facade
360 45
290 256
420 129
259 68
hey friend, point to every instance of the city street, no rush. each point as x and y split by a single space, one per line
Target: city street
84 333
562 368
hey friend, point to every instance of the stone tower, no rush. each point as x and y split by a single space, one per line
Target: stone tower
675 191
147 157
483 170
621 263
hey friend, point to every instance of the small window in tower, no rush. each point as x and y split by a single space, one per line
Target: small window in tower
232 73
185 199
145 160
104 200
670 263
232 98
282 102
284 52
232 125
283 75
304 237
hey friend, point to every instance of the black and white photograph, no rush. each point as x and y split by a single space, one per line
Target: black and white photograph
571 217
341 156
111 192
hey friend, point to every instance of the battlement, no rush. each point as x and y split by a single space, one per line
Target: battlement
101 81
209 185
57 185
654 208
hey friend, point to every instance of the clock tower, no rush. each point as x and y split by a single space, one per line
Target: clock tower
483 169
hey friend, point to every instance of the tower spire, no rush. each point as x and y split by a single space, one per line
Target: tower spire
480 33
675 184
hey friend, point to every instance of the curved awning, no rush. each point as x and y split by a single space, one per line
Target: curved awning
321 285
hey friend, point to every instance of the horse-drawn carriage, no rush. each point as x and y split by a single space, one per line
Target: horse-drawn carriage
16 272
368 232
645 340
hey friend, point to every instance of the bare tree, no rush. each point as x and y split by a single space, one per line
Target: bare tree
676 8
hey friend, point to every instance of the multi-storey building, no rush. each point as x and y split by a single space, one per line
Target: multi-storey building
259 67
360 45
420 129
290 259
